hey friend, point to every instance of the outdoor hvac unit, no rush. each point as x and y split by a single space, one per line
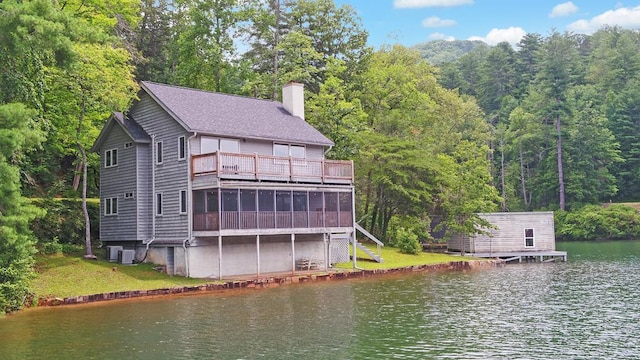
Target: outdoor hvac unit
126 256
112 253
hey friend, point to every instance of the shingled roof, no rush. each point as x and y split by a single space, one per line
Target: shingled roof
135 131
233 116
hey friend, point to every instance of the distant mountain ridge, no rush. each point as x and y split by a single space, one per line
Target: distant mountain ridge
437 52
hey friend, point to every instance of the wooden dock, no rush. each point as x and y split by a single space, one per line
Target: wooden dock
520 256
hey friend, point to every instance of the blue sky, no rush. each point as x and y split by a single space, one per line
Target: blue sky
410 22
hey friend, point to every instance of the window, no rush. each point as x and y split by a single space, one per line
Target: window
159 152
128 195
528 238
286 150
111 158
182 148
229 145
183 201
128 145
111 206
208 145
297 151
281 150
159 204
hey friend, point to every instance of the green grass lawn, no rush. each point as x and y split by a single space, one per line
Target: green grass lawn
393 258
71 275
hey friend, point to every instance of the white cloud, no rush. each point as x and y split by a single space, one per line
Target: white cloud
434 21
563 9
441 36
512 35
429 3
625 17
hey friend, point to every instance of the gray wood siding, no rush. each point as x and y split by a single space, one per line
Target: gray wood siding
114 183
510 233
262 147
172 175
143 193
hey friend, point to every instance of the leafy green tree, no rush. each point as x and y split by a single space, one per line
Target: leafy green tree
557 74
203 46
19 131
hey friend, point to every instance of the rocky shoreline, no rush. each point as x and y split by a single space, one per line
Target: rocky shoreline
268 282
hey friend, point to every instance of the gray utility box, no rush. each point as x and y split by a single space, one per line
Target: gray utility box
112 253
126 256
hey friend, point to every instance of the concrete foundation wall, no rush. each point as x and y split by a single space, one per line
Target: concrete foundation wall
239 255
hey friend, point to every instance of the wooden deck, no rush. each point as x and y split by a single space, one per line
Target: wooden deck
273 168
520 256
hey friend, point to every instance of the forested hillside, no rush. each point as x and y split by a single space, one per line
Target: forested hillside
437 52
564 111
550 125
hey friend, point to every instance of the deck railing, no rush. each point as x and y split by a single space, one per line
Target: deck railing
236 220
265 167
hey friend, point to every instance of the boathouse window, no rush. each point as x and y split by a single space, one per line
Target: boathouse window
111 158
528 238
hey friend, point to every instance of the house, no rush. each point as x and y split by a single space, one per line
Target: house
213 185
514 236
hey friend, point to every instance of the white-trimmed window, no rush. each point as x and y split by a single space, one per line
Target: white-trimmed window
529 239
128 145
159 152
229 145
158 204
111 206
182 148
183 201
129 195
111 158
286 150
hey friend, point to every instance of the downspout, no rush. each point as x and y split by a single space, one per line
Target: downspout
189 203
186 255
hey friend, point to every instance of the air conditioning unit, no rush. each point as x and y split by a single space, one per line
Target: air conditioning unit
126 256
112 253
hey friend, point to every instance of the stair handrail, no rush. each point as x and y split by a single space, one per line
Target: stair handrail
379 243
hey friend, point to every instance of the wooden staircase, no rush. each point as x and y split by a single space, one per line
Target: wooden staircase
377 257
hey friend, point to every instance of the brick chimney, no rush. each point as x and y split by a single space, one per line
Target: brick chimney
293 99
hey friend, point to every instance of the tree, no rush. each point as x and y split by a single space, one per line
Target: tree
19 131
203 44
555 78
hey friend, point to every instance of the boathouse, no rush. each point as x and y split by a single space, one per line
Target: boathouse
512 236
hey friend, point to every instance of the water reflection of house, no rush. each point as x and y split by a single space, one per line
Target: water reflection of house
214 185
515 236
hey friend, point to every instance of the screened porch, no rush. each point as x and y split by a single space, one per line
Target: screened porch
234 209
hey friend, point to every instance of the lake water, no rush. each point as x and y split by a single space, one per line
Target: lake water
586 308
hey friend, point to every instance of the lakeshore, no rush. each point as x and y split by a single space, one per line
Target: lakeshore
267 281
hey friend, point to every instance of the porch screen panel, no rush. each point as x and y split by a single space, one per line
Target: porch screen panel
266 209
283 209
346 211
205 210
248 209
316 209
230 211
300 207
331 209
